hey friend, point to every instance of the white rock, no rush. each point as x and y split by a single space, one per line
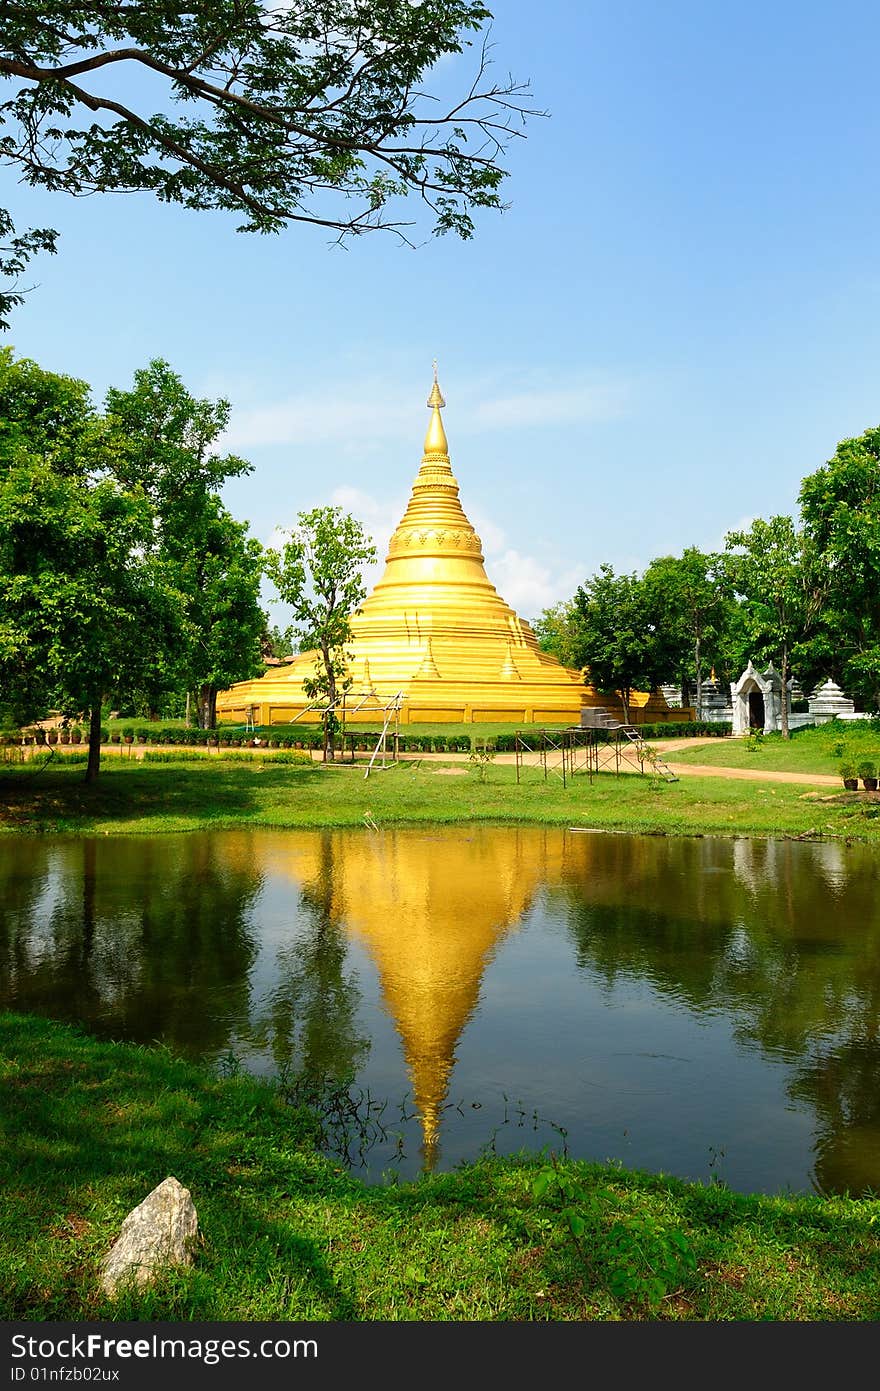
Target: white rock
160 1231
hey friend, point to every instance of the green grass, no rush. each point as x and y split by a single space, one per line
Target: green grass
89 1128
132 797
815 749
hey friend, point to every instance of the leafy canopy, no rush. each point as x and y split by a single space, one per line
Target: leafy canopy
772 568
162 443
614 636
313 111
84 610
840 507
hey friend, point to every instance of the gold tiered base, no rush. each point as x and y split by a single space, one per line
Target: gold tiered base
434 633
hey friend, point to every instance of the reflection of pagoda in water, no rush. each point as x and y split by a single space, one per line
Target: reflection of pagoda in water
431 909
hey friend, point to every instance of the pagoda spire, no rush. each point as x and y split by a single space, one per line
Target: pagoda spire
435 439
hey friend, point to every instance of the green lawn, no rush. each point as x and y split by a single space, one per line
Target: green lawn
132 798
816 749
89 1128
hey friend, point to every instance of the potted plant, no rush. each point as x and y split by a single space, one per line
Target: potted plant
76 735
64 736
867 771
847 771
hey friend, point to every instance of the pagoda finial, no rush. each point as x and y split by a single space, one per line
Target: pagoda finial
435 440
435 399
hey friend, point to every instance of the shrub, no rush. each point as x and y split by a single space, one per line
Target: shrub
847 769
866 769
178 756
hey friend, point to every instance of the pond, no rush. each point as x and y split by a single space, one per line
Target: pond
705 1007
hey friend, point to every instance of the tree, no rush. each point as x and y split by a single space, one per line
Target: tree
772 568
691 607
278 113
613 635
121 573
555 631
277 642
840 508
220 579
161 440
16 250
319 573
44 414
85 613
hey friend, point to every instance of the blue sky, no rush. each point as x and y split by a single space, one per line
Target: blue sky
675 321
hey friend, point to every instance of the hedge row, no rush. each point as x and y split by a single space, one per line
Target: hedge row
285 737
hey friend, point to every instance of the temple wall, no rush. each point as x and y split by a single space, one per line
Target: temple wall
279 714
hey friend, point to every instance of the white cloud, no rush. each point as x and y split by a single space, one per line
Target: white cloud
528 585
491 535
565 405
361 416
343 418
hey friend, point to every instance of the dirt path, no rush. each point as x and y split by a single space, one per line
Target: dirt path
709 770
666 746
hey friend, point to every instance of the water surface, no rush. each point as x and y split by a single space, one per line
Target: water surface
705 1007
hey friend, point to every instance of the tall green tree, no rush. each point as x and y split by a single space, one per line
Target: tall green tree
162 440
317 112
840 508
85 614
615 637
122 575
319 573
772 568
690 606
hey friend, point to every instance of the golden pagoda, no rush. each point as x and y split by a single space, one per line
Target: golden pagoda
434 635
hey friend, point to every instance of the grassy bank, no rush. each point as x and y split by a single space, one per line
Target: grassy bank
815 749
89 1128
132 797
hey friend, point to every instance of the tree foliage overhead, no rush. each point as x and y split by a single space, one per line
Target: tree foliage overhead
304 111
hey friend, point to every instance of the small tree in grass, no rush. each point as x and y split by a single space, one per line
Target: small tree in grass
319 573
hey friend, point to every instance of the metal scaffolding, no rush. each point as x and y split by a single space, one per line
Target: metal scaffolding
598 744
